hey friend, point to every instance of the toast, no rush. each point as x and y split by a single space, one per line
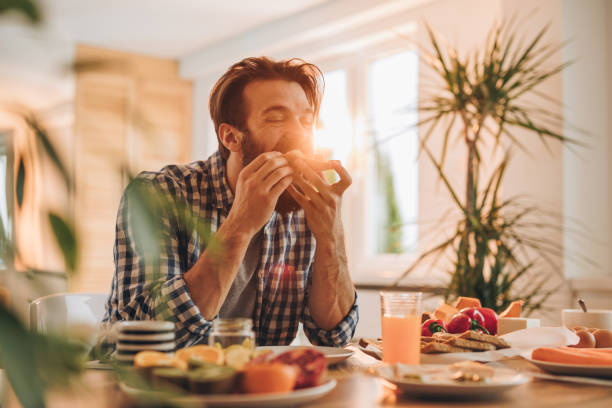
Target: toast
498 342
473 345
437 347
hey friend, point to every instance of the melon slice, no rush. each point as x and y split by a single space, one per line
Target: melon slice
514 310
444 312
464 302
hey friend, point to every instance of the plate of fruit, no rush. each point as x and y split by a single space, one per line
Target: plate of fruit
237 376
333 355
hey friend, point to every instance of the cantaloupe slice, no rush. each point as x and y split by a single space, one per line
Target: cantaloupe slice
444 312
464 302
514 310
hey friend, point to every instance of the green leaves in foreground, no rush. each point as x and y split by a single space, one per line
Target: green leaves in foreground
27 8
153 217
20 182
66 239
35 362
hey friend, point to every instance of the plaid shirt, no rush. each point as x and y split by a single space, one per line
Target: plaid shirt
284 268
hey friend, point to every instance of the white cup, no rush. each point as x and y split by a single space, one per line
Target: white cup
595 318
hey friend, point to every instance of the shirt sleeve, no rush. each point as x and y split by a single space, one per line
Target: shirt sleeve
148 282
340 335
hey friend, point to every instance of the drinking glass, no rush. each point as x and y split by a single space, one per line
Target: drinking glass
401 327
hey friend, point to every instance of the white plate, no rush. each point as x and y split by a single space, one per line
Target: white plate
573 369
240 400
168 336
333 355
167 346
502 380
145 325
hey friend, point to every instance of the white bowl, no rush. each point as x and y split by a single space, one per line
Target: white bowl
595 318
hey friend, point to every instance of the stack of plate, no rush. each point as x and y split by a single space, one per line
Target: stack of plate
136 336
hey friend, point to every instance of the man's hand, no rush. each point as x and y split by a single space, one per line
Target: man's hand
258 187
321 201
333 293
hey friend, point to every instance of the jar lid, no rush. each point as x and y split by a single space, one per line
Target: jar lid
233 324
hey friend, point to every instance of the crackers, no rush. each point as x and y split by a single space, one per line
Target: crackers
469 341
460 343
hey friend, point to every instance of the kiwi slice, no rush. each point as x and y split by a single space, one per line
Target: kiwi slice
196 363
170 376
212 379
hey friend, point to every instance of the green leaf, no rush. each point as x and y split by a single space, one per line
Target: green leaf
42 137
18 360
27 8
20 182
66 239
34 362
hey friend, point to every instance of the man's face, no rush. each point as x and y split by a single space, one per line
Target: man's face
279 118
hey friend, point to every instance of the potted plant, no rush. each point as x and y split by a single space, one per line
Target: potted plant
492 252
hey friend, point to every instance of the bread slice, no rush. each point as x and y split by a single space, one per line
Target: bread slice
471 344
435 347
441 336
364 342
498 342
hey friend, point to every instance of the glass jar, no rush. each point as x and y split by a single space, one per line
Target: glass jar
235 331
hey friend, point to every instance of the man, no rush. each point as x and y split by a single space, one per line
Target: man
279 255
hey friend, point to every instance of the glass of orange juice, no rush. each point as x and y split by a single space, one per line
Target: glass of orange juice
401 326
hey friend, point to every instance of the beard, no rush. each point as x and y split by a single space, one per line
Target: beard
250 150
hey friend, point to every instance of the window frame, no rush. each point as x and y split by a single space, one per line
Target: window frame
6 148
368 269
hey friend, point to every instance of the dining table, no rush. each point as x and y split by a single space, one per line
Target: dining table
357 387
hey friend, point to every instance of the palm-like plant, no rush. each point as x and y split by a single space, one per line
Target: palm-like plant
491 248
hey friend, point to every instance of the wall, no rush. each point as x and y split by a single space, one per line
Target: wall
131 111
535 173
588 172
35 73
574 187
34 77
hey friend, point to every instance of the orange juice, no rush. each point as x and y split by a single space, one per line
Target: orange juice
401 336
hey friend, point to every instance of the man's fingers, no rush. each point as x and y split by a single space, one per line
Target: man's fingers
276 175
345 178
307 189
282 185
314 178
258 162
270 166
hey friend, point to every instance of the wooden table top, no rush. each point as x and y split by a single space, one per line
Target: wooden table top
360 390
356 389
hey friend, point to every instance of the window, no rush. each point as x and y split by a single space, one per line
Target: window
6 203
334 137
367 120
392 98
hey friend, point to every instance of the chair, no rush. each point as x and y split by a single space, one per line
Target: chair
57 312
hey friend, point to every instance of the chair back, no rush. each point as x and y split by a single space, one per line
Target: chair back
54 313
